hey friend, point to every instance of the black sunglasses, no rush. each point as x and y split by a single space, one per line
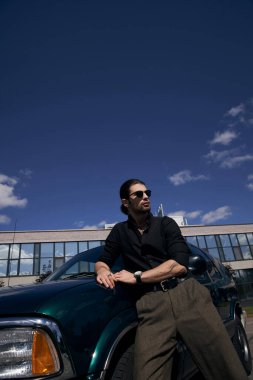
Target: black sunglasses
139 193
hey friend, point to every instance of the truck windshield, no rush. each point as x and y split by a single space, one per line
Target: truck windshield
81 265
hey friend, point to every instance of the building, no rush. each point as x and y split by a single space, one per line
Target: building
24 255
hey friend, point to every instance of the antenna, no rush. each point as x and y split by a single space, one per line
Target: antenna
160 210
13 240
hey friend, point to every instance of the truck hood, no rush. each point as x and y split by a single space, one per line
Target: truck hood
84 311
27 299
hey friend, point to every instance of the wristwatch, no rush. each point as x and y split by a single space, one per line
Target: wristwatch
137 276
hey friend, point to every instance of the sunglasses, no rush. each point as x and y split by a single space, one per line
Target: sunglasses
139 193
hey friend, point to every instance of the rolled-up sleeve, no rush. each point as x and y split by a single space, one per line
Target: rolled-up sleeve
111 249
176 246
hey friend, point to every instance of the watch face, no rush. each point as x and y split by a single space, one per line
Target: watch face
137 275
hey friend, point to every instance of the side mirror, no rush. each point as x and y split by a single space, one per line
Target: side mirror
197 264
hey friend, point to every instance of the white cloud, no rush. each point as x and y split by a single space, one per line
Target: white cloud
4 219
177 213
84 226
215 215
185 176
250 180
224 138
241 114
90 227
228 159
235 111
238 116
218 156
232 162
102 223
193 214
8 180
26 173
7 196
81 224
24 176
188 215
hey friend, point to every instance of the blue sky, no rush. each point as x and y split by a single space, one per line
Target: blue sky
95 92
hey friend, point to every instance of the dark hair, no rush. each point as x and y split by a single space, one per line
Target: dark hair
124 191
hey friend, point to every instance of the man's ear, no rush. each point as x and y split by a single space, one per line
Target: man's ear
125 202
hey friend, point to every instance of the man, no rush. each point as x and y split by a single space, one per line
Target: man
168 301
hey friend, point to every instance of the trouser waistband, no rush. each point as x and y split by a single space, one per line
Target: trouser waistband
164 285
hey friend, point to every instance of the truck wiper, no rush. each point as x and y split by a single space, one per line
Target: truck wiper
77 275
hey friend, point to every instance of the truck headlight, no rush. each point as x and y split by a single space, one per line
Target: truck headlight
27 352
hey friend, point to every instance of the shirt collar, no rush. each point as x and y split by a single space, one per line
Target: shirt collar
132 223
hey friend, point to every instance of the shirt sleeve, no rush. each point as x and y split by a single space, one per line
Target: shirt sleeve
111 249
175 244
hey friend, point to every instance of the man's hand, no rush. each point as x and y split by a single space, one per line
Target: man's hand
125 276
106 278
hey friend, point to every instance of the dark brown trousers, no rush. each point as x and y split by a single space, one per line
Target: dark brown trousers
186 310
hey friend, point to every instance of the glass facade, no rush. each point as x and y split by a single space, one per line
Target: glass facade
38 258
226 247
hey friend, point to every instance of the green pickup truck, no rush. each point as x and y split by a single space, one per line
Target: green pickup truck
70 327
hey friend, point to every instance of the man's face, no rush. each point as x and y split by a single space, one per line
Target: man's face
138 201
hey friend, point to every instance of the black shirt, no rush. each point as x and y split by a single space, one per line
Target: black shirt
161 241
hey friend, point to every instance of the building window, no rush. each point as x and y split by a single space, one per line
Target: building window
234 240
46 265
210 241
228 253
14 251
46 260
243 275
83 246
46 249
250 238
249 273
4 255
71 248
246 253
26 259
4 251
26 267
58 262
26 251
214 252
242 239
192 240
3 268
94 244
225 242
237 253
59 249
13 268
201 241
